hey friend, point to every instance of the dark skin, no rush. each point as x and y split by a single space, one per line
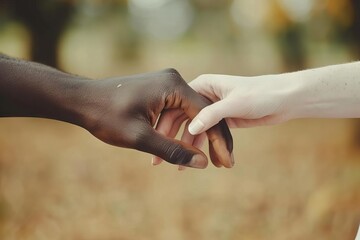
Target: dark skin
120 111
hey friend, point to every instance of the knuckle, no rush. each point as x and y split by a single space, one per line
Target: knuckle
204 78
173 76
171 71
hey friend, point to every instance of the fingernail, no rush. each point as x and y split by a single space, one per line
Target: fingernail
198 161
232 159
196 126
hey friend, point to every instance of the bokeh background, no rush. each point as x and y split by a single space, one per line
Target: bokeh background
298 180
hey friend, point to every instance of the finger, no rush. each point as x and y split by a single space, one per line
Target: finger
199 140
176 126
208 117
220 139
171 150
183 96
186 136
167 120
195 141
219 153
214 157
206 86
190 139
168 125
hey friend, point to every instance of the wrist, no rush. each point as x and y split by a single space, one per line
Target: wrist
303 98
327 92
291 94
92 98
72 103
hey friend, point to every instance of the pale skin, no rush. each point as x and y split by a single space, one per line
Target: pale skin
326 92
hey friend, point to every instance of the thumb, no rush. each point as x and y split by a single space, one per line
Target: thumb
208 117
171 150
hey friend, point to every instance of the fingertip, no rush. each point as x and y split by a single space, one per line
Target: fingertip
229 161
198 161
228 156
196 126
228 164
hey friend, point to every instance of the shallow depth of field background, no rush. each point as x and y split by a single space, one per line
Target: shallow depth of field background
299 180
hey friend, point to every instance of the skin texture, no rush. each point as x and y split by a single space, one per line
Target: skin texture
327 92
120 111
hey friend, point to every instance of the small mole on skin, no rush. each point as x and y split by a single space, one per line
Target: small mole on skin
119 85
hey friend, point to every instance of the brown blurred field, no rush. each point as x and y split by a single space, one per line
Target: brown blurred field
296 181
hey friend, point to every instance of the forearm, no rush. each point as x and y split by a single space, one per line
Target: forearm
29 89
328 92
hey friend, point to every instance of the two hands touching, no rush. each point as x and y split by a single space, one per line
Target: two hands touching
121 111
327 92
145 112
134 107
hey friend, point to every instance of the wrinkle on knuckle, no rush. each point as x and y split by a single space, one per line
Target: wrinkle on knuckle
173 98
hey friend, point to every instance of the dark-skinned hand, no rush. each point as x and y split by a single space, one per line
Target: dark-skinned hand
127 108
121 111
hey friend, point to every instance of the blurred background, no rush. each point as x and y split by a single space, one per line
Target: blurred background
299 180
